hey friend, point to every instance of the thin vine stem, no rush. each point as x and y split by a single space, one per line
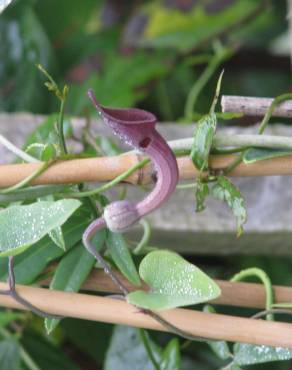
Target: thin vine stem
109 184
278 100
28 179
214 63
15 150
272 311
261 275
61 128
145 237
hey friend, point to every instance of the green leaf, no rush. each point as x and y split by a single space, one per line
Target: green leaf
173 282
57 237
22 226
45 135
46 355
89 337
231 366
122 257
9 354
220 348
132 73
20 23
170 359
248 354
4 4
201 193
6 317
224 190
72 271
259 154
126 351
203 137
30 264
168 27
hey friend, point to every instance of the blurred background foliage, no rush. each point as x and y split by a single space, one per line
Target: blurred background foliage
151 54
141 53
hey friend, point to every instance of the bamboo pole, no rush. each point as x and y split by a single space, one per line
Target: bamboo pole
251 106
212 326
237 294
103 169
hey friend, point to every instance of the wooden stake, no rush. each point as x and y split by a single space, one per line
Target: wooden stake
213 326
254 106
238 294
241 294
103 169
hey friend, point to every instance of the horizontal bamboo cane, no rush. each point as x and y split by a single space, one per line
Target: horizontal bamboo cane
254 106
103 169
238 294
213 326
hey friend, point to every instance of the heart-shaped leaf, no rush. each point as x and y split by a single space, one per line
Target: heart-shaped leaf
22 226
173 282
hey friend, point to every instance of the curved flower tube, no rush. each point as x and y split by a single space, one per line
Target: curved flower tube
135 127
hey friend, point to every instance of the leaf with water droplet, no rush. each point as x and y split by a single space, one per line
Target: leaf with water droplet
227 192
248 354
202 143
173 282
23 225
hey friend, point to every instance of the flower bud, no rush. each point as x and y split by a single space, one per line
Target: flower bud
120 216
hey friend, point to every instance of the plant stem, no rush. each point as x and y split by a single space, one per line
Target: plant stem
278 100
221 140
146 342
261 275
145 238
15 150
109 184
61 128
28 179
198 86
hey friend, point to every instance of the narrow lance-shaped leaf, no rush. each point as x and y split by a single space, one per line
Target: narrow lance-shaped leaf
122 257
227 192
204 133
173 282
72 271
9 354
22 226
201 193
259 154
202 143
